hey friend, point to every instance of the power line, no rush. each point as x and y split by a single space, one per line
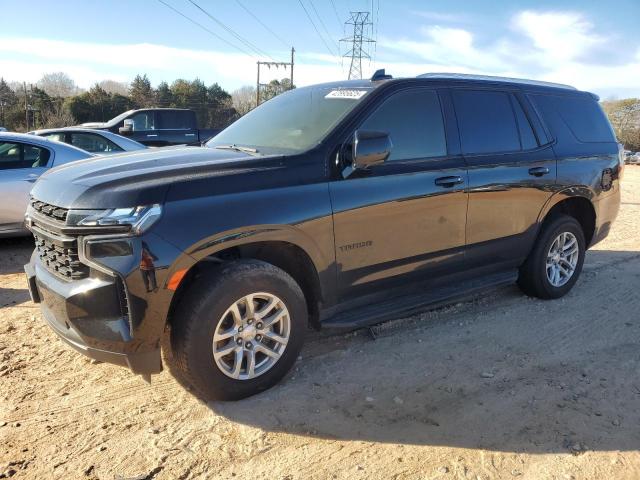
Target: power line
375 34
231 31
316 28
335 10
263 24
322 23
205 28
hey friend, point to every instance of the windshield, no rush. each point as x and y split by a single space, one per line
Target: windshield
120 117
292 122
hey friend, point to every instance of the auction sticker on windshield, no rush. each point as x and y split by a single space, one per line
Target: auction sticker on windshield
350 94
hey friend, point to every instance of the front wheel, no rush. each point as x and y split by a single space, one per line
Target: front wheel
555 263
239 330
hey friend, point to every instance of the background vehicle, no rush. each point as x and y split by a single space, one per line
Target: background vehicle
634 158
2 129
157 127
336 205
23 158
101 142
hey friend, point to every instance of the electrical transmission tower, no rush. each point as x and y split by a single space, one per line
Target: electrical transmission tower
358 51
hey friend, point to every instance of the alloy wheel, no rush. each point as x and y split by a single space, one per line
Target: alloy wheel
562 259
251 336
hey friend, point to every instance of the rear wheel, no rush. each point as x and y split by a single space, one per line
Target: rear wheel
555 263
239 330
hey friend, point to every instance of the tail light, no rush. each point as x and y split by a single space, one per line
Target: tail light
620 160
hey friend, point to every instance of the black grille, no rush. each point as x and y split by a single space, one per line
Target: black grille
49 210
60 256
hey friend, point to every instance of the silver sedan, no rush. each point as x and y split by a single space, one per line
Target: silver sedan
23 158
100 142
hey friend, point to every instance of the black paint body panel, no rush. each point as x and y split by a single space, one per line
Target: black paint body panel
376 231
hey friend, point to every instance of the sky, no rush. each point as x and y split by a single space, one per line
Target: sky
593 45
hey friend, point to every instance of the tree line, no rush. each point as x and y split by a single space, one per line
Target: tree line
56 101
624 116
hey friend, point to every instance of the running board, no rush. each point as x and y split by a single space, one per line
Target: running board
372 314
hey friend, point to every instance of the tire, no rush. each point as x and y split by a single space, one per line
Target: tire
534 279
208 307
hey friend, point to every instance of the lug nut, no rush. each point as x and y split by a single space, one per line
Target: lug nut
248 345
258 337
259 325
239 341
250 321
239 329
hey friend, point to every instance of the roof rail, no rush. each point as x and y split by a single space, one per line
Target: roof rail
380 75
490 78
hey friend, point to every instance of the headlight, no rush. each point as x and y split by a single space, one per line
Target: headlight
138 218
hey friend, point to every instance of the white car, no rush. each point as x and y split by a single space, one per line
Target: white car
99 142
23 158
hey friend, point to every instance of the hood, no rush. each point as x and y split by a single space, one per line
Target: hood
144 177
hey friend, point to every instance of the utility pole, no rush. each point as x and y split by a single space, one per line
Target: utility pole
26 105
360 21
277 65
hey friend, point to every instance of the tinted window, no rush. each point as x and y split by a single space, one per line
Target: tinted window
486 121
18 155
581 114
143 121
93 143
527 137
176 120
413 119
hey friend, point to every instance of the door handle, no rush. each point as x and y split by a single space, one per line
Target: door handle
538 171
32 178
152 135
189 134
448 182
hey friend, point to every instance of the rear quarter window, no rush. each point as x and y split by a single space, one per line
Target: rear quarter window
581 114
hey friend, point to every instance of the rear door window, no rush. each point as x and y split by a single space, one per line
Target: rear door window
581 114
486 121
175 120
413 119
94 143
15 155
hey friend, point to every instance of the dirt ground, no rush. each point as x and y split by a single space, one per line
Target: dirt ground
501 387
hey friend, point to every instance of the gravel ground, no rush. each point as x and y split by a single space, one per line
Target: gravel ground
501 386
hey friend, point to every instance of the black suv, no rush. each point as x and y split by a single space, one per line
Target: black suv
335 205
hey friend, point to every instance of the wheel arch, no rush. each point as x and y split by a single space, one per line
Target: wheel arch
576 202
282 246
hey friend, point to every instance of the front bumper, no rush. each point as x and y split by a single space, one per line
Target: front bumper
89 316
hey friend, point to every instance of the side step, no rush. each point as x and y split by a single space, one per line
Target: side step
371 314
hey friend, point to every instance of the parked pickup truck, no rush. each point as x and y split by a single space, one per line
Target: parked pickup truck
336 205
157 127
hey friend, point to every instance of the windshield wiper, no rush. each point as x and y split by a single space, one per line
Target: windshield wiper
238 148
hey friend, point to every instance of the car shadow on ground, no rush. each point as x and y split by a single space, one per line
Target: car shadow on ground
14 252
507 373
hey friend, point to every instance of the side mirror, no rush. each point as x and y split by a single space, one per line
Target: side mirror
126 128
370 148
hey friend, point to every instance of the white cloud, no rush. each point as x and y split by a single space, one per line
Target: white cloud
556 46
560 36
